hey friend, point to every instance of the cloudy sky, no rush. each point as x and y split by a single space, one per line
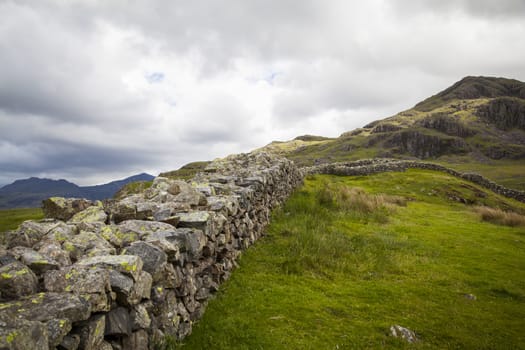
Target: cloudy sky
94 91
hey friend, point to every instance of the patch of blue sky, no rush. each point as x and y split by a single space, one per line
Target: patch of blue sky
155 77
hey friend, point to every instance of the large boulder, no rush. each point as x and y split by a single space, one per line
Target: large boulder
17 280
64 208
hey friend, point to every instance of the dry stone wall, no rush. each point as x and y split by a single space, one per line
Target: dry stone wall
123 274
380 165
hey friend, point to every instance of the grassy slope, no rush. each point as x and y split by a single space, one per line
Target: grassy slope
329 278
11 218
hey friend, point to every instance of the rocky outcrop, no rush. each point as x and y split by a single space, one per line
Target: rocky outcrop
124 273
446 124
422 145
504 112
384 127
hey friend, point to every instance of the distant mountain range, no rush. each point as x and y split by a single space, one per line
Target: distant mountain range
30 192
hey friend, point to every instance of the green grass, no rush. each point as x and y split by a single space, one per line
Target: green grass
11 218
187 171
328 276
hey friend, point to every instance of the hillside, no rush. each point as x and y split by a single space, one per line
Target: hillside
477 124
29 193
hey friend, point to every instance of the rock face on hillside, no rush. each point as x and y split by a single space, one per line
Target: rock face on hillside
124 273
506 113
421 145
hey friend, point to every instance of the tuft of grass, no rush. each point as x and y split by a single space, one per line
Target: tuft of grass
356 202
500 217
133 188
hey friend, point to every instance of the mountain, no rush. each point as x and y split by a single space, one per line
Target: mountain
30 192
477 124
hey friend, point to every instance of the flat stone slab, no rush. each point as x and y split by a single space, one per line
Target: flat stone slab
130 265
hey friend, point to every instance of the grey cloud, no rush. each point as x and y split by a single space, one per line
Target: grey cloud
84 84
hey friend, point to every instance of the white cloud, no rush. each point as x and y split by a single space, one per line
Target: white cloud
96 90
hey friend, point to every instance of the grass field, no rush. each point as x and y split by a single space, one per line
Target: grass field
340 265
11 218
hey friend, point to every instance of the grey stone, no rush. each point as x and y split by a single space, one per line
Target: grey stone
152 257
20 334
200 220
189 240
48 306
92 332
17 280
105 346
87 244
118 322
37 262
142 228
403 333
29 233
91 214
166 241
64 208
56 253
57 329
130 265
122 211
70 342
140 318
91 283
128 292
137 341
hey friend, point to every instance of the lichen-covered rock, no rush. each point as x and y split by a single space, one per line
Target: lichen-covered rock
29 233
20 334
87 244
64 208
44 307
17 280
129 265
91 332
55 252
94 213
78 279
92 284
59 234
37 262
195 219
142 228
162 240
130 292
140 318
152 257
122 210
57 329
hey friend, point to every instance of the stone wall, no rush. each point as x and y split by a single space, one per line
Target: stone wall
123 274
379 165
